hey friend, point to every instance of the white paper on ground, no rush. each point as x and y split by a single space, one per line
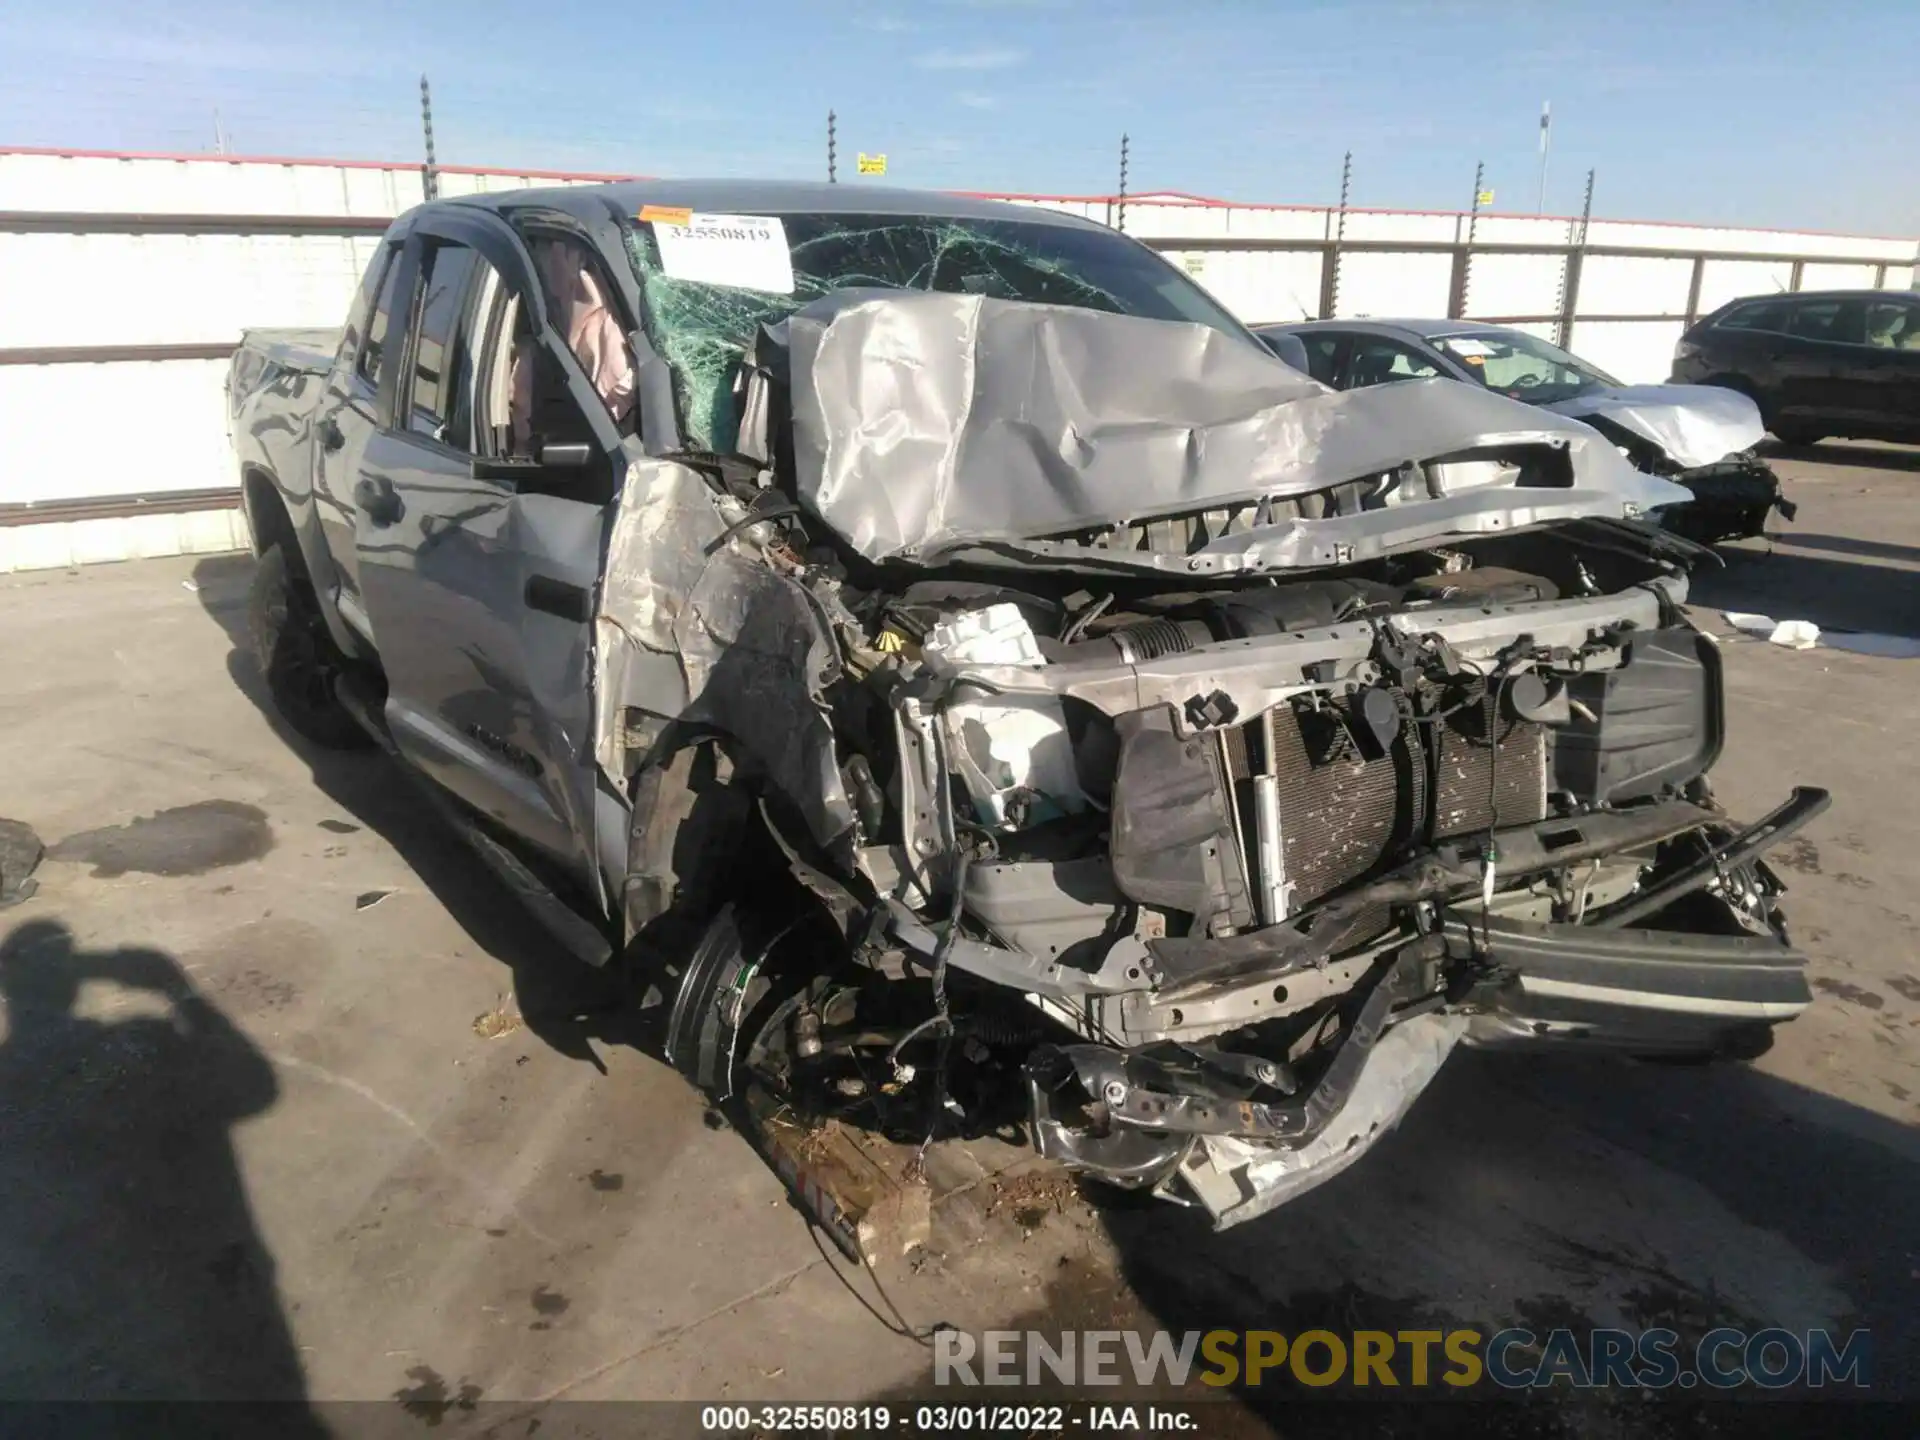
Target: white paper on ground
746 251
1794 634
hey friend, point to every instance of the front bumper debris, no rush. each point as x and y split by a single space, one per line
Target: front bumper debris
1731 501
1238 1135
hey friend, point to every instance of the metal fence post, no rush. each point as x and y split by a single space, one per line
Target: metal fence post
429 173
833 177
1570 273
1330 263
1693 289
1463 254
1120 215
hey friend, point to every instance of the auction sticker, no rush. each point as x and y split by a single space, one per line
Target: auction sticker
747 251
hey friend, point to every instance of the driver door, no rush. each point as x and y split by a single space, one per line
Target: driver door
479 552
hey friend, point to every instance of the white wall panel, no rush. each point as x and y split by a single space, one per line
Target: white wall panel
1258 286
1514 285
1629 285
1394 285
1635 353
70 432
1724 280
1836 277
172 289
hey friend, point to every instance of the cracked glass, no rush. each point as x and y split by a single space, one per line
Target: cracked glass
702 330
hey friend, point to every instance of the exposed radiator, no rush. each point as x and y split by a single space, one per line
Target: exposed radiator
1343 813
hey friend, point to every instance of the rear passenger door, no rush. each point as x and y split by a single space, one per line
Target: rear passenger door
1818 359
480 546
1888 374
347 417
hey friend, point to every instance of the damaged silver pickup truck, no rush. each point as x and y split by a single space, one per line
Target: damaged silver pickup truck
974 685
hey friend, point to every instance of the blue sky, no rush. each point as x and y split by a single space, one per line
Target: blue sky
1753 112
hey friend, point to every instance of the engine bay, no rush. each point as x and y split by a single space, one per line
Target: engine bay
1196 888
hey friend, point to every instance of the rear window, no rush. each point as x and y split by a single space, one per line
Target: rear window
1762 315
377 326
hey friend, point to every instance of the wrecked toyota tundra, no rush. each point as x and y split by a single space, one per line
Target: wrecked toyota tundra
969 684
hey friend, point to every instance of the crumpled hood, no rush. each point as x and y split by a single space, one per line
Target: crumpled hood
1694 424
925 423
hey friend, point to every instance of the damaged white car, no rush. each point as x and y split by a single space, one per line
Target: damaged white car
977 687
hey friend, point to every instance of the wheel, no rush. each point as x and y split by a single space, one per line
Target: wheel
1789 433
297 655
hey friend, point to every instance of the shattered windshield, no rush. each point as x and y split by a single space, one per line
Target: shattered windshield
702 328
1523 366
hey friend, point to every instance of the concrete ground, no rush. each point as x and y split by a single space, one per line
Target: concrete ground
294 1103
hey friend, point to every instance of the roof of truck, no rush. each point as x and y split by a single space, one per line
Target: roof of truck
769 197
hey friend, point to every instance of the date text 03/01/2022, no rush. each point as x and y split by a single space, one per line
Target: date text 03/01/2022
938 1419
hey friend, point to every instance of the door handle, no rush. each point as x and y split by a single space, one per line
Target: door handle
330 436
378 500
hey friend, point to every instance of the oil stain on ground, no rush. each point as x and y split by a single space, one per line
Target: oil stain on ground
186 840
429 1398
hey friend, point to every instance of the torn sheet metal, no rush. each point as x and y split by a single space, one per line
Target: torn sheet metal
1238 1180
753 651
924 423
1694 424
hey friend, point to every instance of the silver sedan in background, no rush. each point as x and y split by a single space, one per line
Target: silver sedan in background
1700 436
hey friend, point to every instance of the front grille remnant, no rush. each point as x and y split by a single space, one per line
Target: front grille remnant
1346 811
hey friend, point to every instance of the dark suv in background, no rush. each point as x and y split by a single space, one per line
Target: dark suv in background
1818 363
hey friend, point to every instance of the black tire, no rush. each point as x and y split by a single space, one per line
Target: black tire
1788 433
297 655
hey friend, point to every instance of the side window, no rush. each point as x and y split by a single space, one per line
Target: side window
1893 325
374 346
1766 315
1322 351
521 404
1379 361
440 403
1814 320
580 301
363 297
1833 320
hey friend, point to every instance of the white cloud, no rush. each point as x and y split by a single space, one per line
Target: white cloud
975 100
993 59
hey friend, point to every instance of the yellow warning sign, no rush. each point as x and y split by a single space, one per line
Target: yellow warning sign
872 164
1485 198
